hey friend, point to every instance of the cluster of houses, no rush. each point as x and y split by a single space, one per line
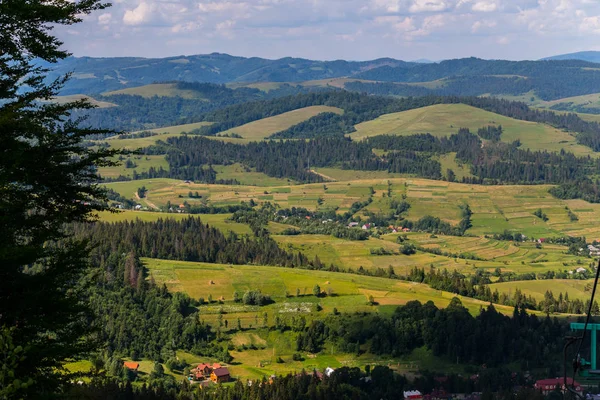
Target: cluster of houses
367 226
594 251
215 373
547 386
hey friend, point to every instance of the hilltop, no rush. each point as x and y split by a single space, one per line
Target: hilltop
591 56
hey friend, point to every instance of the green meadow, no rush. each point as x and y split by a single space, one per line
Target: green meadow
446 119
263 128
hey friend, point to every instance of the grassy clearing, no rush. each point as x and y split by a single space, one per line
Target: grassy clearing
157 89
162 134
448 161
265 127
591 101
446 119
248 177
350 291
577 289
354 175
143 163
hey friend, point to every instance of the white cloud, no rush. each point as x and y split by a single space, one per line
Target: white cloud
104 19
590 25
428 6
139 15
483 25
485 6
503 40
441 28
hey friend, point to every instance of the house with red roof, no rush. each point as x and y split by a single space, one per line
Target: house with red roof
546 386
131 365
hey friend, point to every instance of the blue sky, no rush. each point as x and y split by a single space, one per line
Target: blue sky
339 29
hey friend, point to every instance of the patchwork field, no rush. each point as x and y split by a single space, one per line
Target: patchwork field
258 130
495 208
446 119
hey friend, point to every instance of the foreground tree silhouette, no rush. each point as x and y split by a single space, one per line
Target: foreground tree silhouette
47 179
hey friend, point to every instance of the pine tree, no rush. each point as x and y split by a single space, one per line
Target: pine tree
47 179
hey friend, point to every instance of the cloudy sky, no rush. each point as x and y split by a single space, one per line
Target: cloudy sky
339 29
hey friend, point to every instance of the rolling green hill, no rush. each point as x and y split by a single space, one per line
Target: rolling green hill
265 127
445 119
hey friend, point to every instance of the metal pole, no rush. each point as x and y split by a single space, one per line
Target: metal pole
594 330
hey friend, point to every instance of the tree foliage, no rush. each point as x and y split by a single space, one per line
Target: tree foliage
47 179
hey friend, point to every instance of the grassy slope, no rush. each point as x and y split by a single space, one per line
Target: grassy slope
350 294
157 89
251 178
77 97
588 101
162 134
267 126
537 289
350 291
446 119
143 163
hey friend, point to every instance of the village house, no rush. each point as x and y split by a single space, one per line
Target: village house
203 371
413 395
219 375
546 386
131 365
352 224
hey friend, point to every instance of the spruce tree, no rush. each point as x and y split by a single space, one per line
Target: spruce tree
47 180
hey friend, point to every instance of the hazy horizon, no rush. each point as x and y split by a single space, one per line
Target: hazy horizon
336 29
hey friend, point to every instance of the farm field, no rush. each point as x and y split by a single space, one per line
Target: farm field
349 292
446 119
261 129
495 208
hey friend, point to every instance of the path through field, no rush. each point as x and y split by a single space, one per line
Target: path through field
148 202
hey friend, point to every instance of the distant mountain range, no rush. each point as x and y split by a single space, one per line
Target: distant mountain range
591 56
544 79
97 75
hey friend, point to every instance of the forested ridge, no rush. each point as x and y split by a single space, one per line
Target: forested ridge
185 240
549 79
136 112
497 162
